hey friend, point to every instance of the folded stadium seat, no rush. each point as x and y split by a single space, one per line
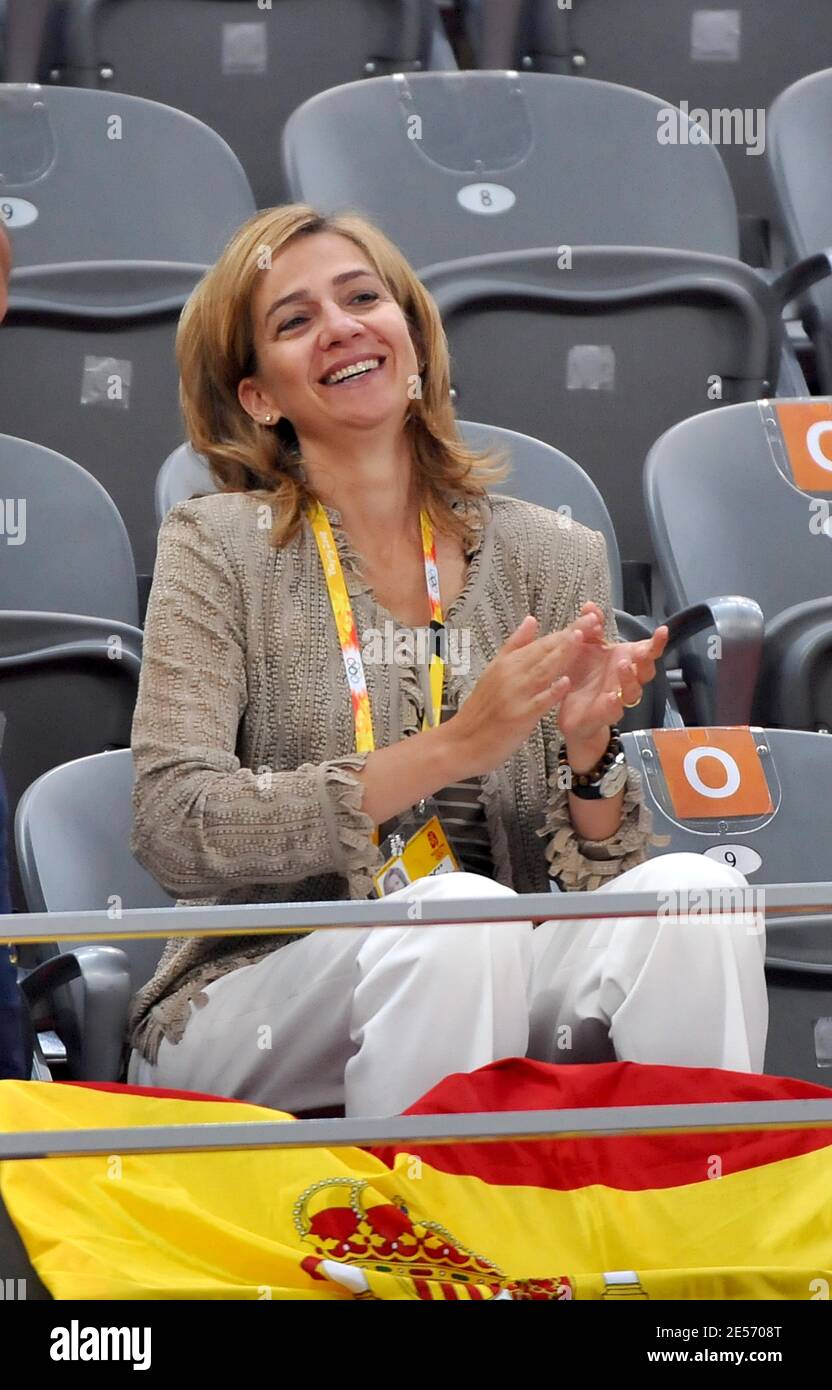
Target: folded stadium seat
67 548
108 242
729 62
72 832
241 68
183 475
739 500
475 151
68 687
600 357
468 163
70 647
799 150
755 798
549 478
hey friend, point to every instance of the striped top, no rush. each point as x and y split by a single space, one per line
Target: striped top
463 819
460 809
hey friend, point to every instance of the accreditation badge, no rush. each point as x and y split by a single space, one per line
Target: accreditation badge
416 849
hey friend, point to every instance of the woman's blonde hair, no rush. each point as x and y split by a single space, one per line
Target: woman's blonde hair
215 351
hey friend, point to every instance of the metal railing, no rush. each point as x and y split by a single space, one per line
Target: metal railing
797 901
279 919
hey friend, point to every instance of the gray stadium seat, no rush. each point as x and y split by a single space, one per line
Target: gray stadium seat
780 844
184 474
100 191
717 58
70 647
68 687
242 68
108 242
732 509
600 355
469 163
72 832
794 690
66 548
549 478
799 152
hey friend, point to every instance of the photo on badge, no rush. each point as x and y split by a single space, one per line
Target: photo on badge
391 878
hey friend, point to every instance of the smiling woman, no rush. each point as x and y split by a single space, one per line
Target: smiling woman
295 299
273 758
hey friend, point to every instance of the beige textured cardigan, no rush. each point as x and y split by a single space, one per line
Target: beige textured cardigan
243 734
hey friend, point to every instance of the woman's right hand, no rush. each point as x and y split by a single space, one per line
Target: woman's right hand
527 678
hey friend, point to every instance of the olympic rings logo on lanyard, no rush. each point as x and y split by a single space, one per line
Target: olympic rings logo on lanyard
345 623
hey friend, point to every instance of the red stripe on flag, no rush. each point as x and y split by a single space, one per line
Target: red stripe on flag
632 1164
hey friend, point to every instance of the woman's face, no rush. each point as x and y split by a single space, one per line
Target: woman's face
394 880
319 309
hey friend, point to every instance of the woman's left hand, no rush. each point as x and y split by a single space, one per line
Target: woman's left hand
605 679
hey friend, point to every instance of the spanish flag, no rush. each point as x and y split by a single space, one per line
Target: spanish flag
720 1216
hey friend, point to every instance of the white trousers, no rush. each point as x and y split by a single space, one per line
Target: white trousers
371 1019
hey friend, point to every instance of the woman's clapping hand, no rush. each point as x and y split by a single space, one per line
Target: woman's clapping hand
605 678
590 680
526 680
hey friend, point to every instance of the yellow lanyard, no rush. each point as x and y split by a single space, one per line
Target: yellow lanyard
348 636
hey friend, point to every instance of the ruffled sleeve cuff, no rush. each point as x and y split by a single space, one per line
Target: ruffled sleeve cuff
350 828
583 865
